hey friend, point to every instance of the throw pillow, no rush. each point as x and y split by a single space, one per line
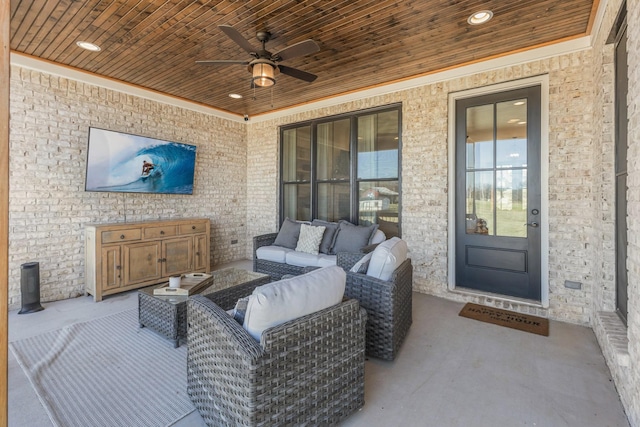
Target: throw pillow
329 234
352 238
387 257
310 238
240 310
288 235
362 265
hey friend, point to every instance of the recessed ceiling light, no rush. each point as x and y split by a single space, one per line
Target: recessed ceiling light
480 17
513 120
235 95
522 123
518 103
89 46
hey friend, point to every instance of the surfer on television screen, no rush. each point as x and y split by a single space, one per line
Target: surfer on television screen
147 167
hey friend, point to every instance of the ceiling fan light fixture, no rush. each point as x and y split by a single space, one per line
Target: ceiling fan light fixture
263 74
480 17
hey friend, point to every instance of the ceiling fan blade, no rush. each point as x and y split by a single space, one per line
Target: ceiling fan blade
234 35
305 47
222 62
298 74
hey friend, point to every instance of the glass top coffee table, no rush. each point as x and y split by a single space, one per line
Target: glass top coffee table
167 314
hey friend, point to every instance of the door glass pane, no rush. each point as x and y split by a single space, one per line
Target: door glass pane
511 203
333 202
296 154
511 133
378 141
378 204
333 150
480 137
297 201
479 203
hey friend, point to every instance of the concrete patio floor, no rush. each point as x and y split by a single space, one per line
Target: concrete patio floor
451 371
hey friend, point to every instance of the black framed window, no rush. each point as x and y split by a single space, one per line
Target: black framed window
344 167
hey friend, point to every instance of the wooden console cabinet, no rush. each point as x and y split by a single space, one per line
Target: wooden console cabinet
124 256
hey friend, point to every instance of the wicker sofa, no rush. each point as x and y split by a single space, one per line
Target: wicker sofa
308 371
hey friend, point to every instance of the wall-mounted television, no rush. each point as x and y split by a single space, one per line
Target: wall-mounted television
122 162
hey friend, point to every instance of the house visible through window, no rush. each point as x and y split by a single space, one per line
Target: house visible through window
345 167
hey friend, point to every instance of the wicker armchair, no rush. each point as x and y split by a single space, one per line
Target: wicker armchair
308 371
388 305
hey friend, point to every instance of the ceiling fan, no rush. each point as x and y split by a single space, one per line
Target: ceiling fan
266 65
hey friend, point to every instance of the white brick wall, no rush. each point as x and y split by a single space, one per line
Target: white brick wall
425 169
50 119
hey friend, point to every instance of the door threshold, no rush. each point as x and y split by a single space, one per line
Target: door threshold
491 299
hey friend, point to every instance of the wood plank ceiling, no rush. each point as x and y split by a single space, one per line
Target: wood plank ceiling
155 43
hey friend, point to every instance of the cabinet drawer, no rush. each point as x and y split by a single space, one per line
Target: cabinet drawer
155 232
121 235
193 228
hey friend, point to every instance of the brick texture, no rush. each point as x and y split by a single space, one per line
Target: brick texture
425 178
50 119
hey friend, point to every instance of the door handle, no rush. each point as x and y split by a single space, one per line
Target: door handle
532 224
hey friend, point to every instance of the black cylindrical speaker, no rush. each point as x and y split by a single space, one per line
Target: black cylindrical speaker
30 287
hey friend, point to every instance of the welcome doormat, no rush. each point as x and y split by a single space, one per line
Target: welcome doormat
510 319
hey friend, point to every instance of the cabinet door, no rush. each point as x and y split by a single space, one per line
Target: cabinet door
142 262
177 256
200 252
111 267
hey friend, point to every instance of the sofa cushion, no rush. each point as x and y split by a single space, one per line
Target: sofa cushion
310 238
273 253
278 302
288 235
329 237
302 259
387 257
325 260
352 238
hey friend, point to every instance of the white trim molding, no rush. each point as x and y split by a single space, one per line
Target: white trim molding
543 82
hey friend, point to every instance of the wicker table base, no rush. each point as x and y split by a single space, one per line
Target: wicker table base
167 315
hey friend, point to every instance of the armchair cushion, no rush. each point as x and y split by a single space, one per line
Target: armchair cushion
387 257
362 265
278 302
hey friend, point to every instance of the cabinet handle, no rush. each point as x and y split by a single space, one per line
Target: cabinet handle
164 260
161 232
193 227
118 267
197 253
122 236
159 259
